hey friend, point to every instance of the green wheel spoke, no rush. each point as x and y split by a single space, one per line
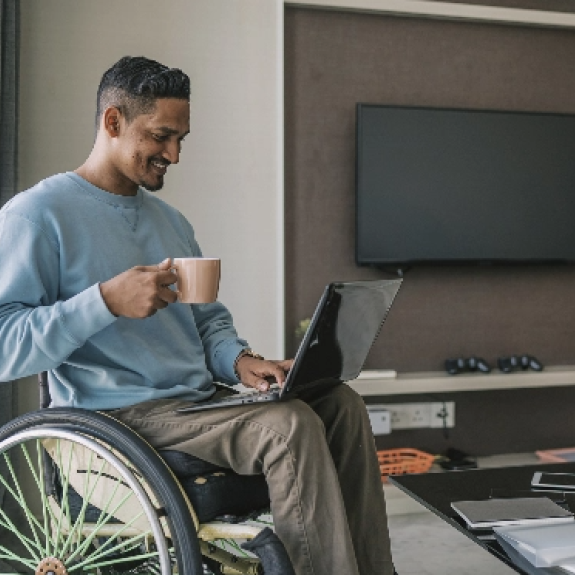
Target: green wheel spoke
79 523
123 560
13 557
6 522
23 503
28 543
50 518
118 534
104 517
39 480
99 553
64 504
29 516
41 454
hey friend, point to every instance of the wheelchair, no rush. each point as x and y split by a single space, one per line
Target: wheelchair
81 493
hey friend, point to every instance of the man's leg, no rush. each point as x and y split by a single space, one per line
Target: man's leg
352 446
286 441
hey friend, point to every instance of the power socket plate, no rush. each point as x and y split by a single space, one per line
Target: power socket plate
435 414
380 420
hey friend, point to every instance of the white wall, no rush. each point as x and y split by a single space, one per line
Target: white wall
229 181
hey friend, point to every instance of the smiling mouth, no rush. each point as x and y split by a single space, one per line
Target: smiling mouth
159 167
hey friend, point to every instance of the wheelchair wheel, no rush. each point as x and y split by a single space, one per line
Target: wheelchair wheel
84 494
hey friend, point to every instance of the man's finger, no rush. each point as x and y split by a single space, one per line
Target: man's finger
165 278
162 266
159 303
261 385
168 295
279 374
285 364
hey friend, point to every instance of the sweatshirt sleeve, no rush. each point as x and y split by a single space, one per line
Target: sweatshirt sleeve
38 330
216 327
220 339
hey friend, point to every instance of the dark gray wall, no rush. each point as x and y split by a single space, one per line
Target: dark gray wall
334 60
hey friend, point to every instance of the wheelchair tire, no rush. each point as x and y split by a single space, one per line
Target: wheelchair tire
51 540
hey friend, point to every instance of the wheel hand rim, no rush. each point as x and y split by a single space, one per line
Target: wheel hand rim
57 546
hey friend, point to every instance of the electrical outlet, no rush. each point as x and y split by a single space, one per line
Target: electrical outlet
380 420
420 415
410 416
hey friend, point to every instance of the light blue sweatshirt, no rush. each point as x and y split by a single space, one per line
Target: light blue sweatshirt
58 241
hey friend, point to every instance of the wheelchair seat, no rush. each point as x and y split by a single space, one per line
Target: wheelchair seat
217 492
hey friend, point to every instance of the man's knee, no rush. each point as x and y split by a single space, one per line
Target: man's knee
342 403
290 418
347 396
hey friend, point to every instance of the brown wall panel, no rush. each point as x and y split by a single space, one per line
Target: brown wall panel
491 422
336 59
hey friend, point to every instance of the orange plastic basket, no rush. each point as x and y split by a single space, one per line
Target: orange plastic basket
404 460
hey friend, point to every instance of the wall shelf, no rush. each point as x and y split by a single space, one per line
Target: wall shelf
389 383
449 11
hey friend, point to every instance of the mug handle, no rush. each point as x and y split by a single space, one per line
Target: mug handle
174 270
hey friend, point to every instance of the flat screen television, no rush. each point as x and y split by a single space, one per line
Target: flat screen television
463 186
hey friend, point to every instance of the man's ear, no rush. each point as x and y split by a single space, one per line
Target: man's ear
111 121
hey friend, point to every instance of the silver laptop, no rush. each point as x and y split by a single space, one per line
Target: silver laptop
346 322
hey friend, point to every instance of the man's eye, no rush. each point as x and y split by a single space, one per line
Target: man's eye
159 138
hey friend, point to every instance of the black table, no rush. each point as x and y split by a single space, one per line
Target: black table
436 492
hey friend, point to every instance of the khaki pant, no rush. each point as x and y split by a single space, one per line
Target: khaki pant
319 462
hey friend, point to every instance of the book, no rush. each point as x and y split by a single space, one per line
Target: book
550 545
520 563
510 511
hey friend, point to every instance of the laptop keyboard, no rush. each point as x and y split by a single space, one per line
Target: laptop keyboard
249 396
242 398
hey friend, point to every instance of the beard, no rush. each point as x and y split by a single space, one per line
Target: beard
151 181
152 187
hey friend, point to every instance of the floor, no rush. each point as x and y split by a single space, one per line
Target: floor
423 544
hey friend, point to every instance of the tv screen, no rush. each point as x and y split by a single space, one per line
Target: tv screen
461 186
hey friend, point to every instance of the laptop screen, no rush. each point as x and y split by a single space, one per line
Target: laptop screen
344 326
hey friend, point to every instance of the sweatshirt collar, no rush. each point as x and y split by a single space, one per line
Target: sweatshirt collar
133 202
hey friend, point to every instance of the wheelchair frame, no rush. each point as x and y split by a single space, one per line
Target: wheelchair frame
117 466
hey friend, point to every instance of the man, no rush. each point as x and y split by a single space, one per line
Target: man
82 295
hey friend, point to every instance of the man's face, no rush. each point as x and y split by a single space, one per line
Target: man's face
151 142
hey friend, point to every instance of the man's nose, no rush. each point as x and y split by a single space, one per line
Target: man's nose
172 152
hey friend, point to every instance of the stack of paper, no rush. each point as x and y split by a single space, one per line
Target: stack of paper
551 545
509 511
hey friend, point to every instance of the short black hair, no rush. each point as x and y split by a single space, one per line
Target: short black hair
133 84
